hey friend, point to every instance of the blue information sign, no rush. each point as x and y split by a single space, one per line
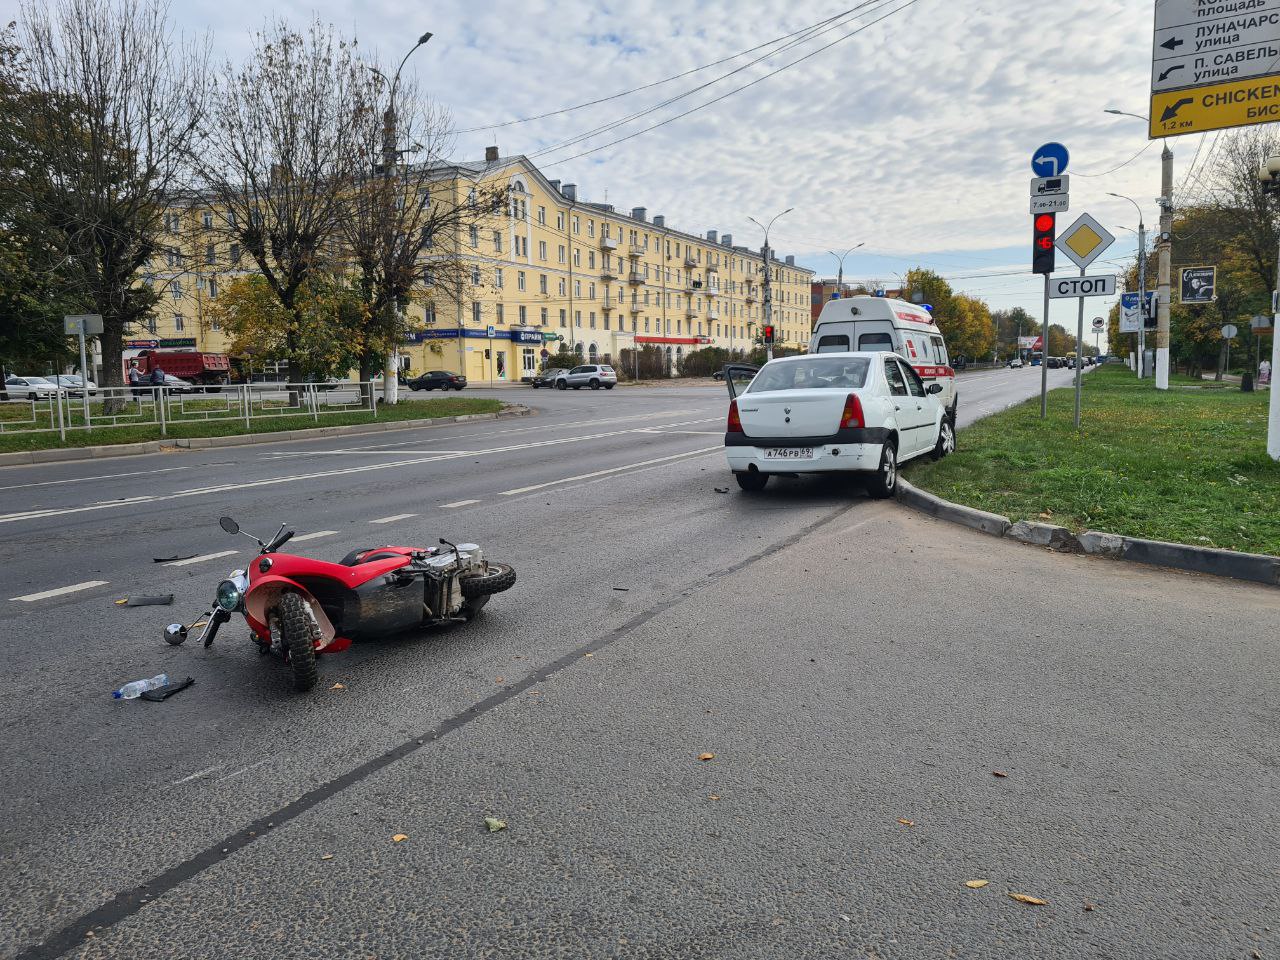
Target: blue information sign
1050 160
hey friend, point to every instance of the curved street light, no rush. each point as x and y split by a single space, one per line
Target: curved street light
764 256
840 276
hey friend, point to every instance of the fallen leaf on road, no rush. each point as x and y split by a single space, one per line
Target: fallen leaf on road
327 856
1027 898
494 824
998 773
623 589
714 796
399 837
706 756
906 823
976 884
500 680
121 602
338 686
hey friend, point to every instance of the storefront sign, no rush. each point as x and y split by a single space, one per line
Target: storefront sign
162 343
451 333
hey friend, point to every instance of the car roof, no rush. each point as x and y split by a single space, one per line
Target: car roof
828 354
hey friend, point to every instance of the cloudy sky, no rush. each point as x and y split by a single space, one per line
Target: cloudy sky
912 135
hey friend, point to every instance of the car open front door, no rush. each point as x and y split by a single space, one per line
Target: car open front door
737 376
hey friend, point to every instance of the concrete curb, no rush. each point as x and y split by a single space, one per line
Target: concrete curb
1254 567
980 520
68 454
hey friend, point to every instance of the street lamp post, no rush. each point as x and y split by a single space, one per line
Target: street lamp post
1142 285
390 154
768 294
840 274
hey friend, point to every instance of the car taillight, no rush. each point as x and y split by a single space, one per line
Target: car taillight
735 422
851 418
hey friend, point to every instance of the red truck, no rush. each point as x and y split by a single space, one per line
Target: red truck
210 370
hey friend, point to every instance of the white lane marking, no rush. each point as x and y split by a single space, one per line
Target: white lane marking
398 516
601 473
334 453
236 773
319 474
202 558
314 536
458 503
46 594
105 476
632 473
196 776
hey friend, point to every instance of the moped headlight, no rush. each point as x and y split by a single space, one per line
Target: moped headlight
228 595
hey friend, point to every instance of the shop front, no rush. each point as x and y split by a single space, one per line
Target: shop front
488 355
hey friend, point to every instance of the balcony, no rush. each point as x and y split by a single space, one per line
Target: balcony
712 290
713 314
635 306
608 273
712 268
636 278
694 286
750 294
608 243
608 305
690 261
635 252
690 313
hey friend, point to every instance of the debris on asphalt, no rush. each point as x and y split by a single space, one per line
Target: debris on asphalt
976 884
1089 908
1027 898
623 589
135 688
159 694
338 686
158 600
905 822
326 856
181 556
706 756
399 837
722 489
998 773
713 796
846 918
494 824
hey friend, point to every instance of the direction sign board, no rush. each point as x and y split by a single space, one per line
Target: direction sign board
1050 160
1057 203
1061 288
1050 186
1084 240
1214 65
1198 284
90 324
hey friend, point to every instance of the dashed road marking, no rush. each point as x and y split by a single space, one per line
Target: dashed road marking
314 536
601 473
398 516
458 503
46 594
196 776
202 558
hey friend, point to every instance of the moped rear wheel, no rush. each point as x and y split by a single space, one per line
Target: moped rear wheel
298 636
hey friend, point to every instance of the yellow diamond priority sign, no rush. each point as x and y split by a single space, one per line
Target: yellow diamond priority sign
1084 240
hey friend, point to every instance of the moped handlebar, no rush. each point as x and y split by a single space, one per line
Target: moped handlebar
278 542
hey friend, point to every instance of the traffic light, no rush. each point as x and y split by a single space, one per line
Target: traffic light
1042 242
770 334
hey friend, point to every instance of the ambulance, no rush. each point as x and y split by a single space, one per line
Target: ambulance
892 326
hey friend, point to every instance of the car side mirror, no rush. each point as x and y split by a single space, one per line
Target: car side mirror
934 388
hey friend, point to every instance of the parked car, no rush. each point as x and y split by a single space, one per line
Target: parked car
72 383
593 375
1014 364
178 385
863 412
547 378
438 380
29 388
1054 363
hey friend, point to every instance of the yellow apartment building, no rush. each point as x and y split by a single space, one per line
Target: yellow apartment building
553 269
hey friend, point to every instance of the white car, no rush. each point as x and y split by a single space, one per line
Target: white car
1015 364
29 388
863 412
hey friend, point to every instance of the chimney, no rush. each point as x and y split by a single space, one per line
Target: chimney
727 239
638 213
491 154
555 185
570 192
791 261
711 236
659 220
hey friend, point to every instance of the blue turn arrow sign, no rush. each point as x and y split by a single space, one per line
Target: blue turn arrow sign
1050 160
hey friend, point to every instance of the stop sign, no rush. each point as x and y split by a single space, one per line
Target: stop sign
546 354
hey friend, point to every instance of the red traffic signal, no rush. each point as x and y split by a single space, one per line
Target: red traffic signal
1043 251
770 333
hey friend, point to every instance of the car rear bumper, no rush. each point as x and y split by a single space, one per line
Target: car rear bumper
826 458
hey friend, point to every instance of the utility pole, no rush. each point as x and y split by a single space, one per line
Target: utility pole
767 295
840 274
1142 281
390 156
1166 260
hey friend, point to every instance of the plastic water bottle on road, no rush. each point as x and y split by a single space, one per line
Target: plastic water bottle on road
131 691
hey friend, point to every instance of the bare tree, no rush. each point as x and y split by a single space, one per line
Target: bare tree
402 220
1232 189
281 148
115 103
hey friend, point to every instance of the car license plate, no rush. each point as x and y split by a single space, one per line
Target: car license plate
789 453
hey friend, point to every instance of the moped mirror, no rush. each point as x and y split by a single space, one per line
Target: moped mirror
175 633
229 525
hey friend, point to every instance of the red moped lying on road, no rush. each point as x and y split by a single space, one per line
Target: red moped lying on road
298 608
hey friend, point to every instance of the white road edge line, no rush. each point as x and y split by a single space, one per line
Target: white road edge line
105 476
196 776
314 536
46 594
236 773
458 503
398 516
601 473
202 558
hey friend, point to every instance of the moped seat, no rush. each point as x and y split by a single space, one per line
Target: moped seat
355 558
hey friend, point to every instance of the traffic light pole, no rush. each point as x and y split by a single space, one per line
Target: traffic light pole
1044 355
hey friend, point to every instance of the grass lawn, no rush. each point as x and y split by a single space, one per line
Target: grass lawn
194 427
1188 465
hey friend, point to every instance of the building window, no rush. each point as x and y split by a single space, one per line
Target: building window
542 216
173 257
207 219
497 277
606 321
475 276
235 253
591 228
151 326
577 257
175 289
519 279
471 199
171 222
497 241
563 317
475 311
524 315
474 235
542 316
542 284
591 259
542 250
591 290
577 225
178 323
498 313
429 316
560 222
591 318
210 254
577 318
562 253
213 288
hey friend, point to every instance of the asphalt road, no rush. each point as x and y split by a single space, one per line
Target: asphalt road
847 662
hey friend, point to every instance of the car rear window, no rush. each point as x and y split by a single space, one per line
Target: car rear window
875 341
816 373
833 343
606 368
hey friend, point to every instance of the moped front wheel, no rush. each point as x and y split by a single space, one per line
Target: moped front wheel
496 578
298 637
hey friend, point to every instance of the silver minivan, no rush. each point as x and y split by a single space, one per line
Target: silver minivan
593 375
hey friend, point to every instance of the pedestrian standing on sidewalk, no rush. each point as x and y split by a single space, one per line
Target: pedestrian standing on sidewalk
135 378
1264 371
